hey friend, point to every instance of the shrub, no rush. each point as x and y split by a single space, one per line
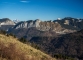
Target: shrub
2 32
22 39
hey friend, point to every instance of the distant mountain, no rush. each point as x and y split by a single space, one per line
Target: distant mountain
16 21
31 28
58 27
66 45
63 26
71 23
6 23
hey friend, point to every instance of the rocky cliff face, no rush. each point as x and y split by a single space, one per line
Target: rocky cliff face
28 24
62 26
42 26
31 28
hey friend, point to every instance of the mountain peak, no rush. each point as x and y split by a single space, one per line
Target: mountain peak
4 19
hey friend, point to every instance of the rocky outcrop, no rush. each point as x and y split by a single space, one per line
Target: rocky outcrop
28 24
42 26
31 28
62 26
6 23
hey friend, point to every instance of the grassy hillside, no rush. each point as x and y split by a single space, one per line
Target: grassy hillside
12 49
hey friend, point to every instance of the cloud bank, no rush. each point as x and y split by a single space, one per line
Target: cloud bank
24 1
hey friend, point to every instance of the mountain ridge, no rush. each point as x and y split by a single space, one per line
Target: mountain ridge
59 26
65 23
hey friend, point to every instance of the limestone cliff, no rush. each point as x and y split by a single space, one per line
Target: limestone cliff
58 26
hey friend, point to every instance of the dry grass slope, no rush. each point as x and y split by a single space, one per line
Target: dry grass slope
12 49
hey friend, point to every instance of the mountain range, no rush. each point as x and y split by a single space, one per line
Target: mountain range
63 37
31 28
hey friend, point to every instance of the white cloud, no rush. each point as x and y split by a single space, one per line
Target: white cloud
24 1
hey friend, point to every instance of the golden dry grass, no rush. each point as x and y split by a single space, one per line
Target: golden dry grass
12 49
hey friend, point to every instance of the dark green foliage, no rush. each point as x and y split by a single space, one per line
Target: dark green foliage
5 33
11 34
60 56
22 39
35 45
2 32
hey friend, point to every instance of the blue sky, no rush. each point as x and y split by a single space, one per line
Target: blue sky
40 9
